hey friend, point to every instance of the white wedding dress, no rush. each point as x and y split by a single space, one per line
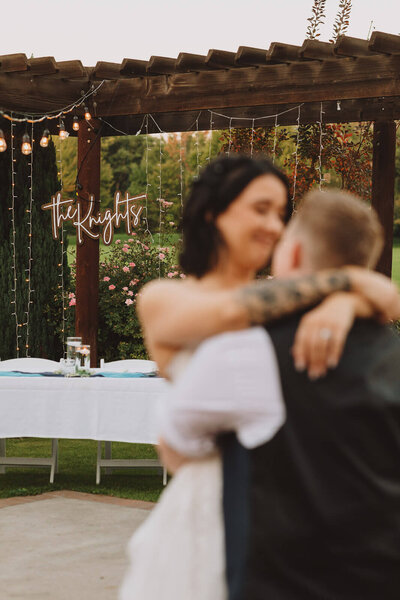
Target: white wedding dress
178 553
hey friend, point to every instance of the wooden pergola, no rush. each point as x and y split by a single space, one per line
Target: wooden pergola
363 76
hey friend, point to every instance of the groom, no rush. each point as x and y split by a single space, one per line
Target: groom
314 513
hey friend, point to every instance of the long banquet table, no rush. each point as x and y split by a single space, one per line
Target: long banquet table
97 408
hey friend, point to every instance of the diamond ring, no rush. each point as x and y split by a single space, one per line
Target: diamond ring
325 333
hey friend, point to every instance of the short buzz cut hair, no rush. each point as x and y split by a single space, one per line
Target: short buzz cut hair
341 229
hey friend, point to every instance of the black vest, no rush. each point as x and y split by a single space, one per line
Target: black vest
319 517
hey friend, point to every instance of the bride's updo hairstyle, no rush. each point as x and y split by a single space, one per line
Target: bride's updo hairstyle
219 184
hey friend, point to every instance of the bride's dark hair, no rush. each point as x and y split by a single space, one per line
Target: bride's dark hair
219 184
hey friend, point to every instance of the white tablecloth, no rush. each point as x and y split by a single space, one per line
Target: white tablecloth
96 408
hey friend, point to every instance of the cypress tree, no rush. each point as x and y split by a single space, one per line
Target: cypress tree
45 311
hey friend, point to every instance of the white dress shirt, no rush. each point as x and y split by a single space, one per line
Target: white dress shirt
231 383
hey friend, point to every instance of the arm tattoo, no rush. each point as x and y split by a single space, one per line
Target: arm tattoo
268 300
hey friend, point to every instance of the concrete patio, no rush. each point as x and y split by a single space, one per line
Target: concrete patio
65 545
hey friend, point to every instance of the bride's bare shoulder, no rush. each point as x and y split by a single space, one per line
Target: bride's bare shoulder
155 294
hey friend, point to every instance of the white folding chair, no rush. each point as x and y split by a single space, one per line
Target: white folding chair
30 365
132 365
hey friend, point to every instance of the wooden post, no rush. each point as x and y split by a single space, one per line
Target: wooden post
383 176
87 254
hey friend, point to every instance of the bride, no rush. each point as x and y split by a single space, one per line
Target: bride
233 218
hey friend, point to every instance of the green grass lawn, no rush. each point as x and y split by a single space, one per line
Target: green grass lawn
396 262
77 470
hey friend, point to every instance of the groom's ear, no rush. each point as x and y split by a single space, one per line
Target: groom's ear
297 255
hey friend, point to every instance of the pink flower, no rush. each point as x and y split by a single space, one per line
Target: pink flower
182 276
125 249
111 287
72 302
133 282
132 265
131 239
117 241
128 301
125 269
130 293
171 223
161 256
106 279
125 289
170 275
71 295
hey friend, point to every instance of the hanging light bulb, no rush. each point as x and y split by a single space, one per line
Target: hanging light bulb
88 116
62 132
44 140
75 123
26 147
3 143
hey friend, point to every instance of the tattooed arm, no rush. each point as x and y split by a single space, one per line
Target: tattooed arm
176 314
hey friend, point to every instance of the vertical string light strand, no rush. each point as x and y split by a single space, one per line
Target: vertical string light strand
148 185
230 137
61 263
210 141
160 199
296 159
197 146
28 271
321 147
275 139
180 194
13 241
252 139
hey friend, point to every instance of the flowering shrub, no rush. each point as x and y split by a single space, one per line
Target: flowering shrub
125 269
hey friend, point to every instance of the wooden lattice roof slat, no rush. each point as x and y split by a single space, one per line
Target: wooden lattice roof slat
11 63
45 65
317 50
279 52
107 70
161 65
351 46
71 69
220 59
246 56
190 62
386 43
133 67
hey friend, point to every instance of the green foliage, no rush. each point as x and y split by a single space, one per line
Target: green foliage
127 267
46 256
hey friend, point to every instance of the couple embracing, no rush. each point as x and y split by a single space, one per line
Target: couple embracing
282 423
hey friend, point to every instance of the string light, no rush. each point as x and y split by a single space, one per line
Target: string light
275 139
230 136
28 270
321 147
148 185
296 159
14 258
210 141
197 147
7 114
62 133
180 194
75 123
44 140
88 116
26 147
62 251
252 138
3 143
